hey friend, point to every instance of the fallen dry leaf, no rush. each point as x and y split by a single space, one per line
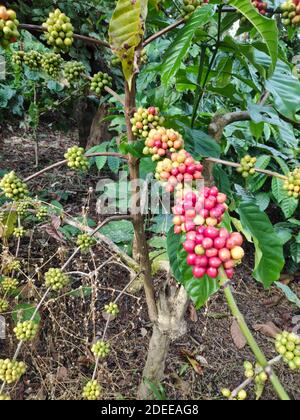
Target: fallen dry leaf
237 335
193 362
193 313
269 329
62 373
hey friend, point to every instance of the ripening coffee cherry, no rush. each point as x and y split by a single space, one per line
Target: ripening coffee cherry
11 371
9 25
242 395
143 121
291 13
76 159
60 31
91 391
55 279
226 392
13 187
160 141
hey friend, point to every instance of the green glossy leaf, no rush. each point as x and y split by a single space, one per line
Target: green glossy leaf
119 231
266 27
289 205
269 260
173 248
24 312
178 50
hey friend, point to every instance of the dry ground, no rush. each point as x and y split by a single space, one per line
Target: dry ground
59 362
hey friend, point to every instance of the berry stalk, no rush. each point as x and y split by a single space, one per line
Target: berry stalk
260 357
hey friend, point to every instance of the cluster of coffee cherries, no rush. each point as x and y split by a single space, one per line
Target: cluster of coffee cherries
288 346
247 167
33 60
112 309
13 265
8 27
11 370
73 71
144 120
4 305
56 280
19 232
100 81
241 396
60 31
251 371
85 242
26 331
42 212
9 285
13 187
91 391
209 249
76 158
101 349
190 6
198 208
18 58
261 6
52 64
162 141
291 13
181 168
292 184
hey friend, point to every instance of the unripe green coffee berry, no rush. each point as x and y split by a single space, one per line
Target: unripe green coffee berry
13 187
226 392
247 167
19 232
14 265
99 82
242 395
26 331
11 371
22 208
189 7
112 309
42 212
85 242
33 60
52 64
60 31
8 27
101 349
288 345
4 305
18 58
292 184
9 285
91 391
74 71
55 279
4 397
76 159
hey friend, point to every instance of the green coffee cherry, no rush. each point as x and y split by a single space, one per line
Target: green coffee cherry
19 232
22 207
4 397
52 64
99 82
85 242
247 167
226 393
26 331
13 265
288 346
112 309
42 212
11 371
9 285
91 391
242 395
76 159
4 305
13 187
33 60
18 58
74 71
189 7
101 349
60 31
292 185
55 279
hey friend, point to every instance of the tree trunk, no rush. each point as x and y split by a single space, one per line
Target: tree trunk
170 326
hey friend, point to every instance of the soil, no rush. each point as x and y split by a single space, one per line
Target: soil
59 361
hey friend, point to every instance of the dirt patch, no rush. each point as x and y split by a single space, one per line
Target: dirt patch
60 362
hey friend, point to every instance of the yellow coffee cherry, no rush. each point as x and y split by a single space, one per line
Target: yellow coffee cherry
91 391
76 159
11 371
26 331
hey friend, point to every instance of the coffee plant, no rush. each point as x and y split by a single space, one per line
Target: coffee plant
202 98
